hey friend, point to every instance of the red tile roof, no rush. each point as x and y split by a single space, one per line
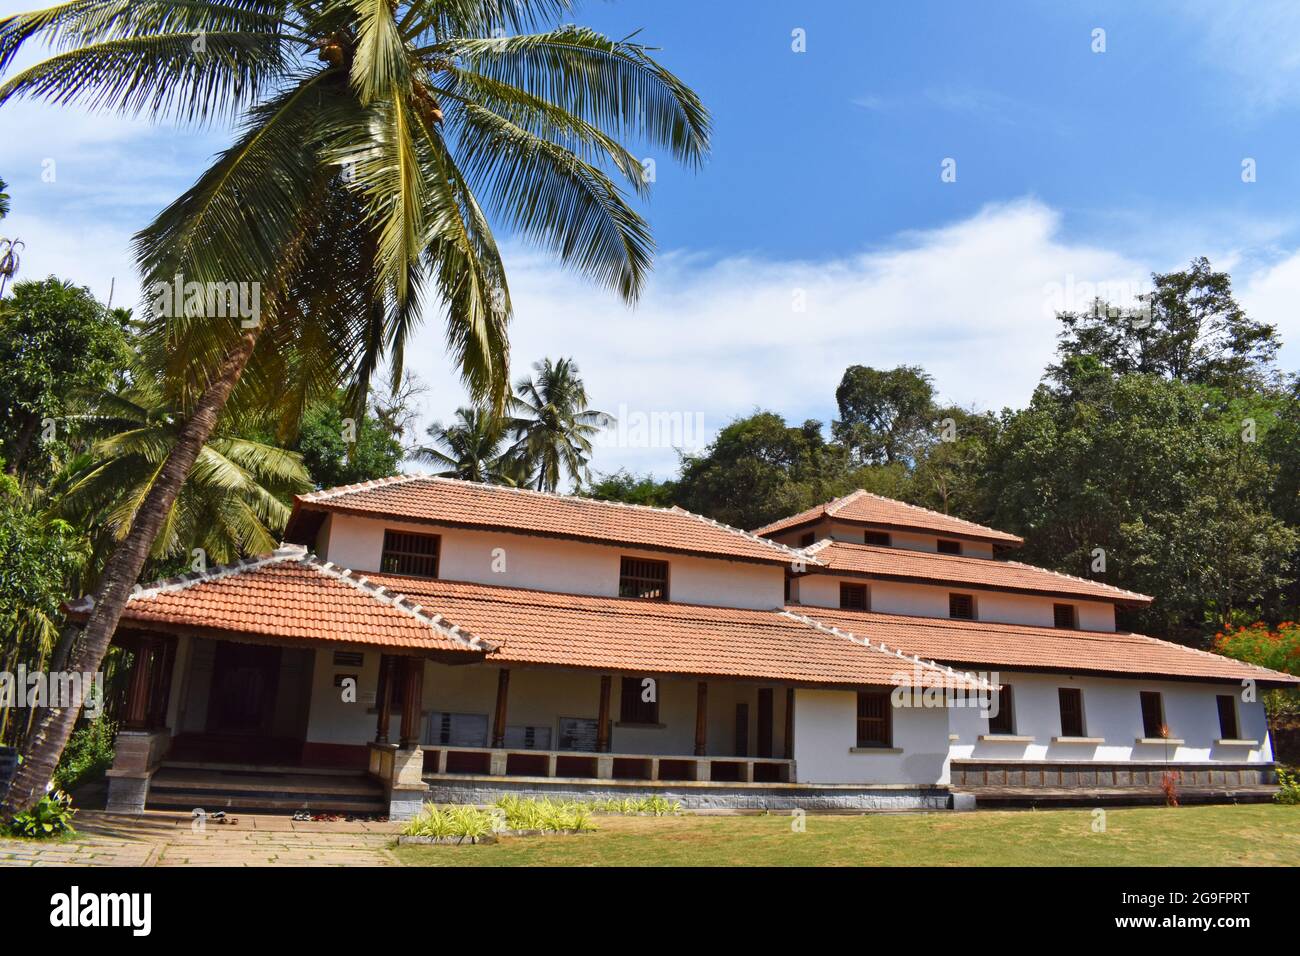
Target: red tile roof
928 567
445 501
289 594
659 637
863 507
987 645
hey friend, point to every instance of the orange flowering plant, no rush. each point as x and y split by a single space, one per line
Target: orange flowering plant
1277 648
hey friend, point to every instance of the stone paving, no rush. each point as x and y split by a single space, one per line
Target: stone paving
169 839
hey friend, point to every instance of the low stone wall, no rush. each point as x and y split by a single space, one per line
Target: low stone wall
1008 773
482 791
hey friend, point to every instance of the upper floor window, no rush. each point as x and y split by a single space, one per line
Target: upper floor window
961 606
1227 716
1153 714
643 578
408 553
853 597
1003 722
874 725
1064 615
633 707
880 539
947 546
807 538
1071 701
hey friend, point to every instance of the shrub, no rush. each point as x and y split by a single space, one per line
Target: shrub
656 806
51 817
88 754
1276 648
1289 781
454 821
549 816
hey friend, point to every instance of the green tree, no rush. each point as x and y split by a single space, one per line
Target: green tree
632 489
373 134
1188 328
552 425
4 198
340 449
759 469
470 448
1157 475
950 469
233 504
57 343
38 558
885 416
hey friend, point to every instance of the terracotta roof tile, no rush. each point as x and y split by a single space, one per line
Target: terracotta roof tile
981 644
931 567
468 504
661 637
289 594
863 507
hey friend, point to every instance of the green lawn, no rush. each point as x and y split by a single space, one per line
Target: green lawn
1253 835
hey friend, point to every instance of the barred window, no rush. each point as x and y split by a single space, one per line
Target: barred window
641 578
874 728
1153 713
853 597
1064 616
1071 700
1003 722
961 606
1227 716
409 553
632 707
949 547
879 539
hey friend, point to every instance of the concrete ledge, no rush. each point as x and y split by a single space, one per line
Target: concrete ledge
696 796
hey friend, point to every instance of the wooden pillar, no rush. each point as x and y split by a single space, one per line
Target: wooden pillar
789 723
499 719
412 694
701 718
602 720
164 660
138 687
384 696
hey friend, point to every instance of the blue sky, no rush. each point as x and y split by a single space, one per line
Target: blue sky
1075 170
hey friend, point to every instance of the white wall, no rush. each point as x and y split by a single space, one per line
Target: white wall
825 735
923 600
1112 711
557 565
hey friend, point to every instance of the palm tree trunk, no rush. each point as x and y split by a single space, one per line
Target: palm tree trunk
46 745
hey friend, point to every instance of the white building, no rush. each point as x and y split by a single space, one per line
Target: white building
420 638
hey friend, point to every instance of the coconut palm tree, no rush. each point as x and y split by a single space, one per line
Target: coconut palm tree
232 504
552 424
373 135
469 448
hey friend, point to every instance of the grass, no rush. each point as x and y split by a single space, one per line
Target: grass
1250 835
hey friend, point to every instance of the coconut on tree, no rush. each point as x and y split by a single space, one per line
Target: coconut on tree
375 139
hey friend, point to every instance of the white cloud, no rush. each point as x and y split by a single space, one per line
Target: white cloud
971 302
1258 44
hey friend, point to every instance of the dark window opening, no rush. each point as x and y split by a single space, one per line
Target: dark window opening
632 708
1002 722
1152 714
807 539
961 606
853 597
1071 699
1064 616
1227 716
409 553
874 728
642 578
879 539
949 547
